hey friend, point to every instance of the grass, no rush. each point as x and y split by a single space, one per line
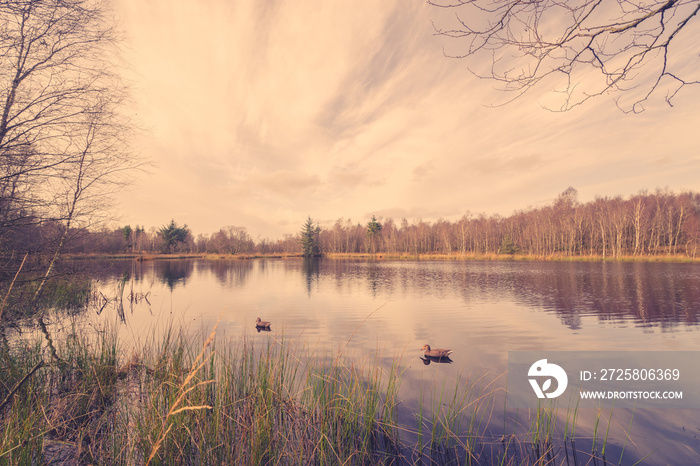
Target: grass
66 293
177 399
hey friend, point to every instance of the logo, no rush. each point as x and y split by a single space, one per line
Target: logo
541 369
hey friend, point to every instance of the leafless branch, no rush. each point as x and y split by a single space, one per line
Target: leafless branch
588 47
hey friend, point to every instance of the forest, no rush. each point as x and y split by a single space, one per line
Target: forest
645 224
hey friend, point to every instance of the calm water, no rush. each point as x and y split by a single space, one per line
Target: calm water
481 310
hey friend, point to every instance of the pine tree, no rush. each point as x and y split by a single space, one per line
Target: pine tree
508 246
373 230
128 234
309 238
172 234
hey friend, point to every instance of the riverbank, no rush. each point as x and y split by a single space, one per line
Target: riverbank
152 256
678 258
517 257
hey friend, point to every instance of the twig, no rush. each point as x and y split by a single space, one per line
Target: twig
4 301
19 384
49 341
358 327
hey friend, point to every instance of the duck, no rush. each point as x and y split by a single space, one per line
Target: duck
261 323
437 353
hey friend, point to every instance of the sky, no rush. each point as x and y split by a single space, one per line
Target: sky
262 113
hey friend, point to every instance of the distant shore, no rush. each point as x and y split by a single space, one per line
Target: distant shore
678 258
152 256
518 257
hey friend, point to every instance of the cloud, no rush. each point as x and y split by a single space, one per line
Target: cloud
261 113
506 164
285 183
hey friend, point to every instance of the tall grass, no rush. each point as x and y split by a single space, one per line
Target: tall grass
181 400
70 294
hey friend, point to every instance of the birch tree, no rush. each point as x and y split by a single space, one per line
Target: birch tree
64 145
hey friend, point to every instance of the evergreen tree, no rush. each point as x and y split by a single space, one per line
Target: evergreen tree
508 246
173 234
309 238
128 236
373 230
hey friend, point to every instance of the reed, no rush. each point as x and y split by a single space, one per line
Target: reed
179 399
69 294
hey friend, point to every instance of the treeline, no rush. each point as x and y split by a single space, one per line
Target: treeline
656 223
644 224
173 238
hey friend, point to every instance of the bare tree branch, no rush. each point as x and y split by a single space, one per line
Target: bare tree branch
64 141
587 47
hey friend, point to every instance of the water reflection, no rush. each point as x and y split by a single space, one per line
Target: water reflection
666 295
174 272
311 270
229 273
427 360
659 293
480 309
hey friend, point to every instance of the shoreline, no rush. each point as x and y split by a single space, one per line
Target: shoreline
678 258
515 258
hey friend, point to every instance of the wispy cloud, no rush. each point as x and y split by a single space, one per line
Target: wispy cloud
261 113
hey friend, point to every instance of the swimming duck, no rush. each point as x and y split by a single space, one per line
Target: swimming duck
261 323
437 353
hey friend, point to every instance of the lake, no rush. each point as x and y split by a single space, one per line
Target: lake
386 310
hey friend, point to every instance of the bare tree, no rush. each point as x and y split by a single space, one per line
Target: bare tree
96 168
586 47
63 139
